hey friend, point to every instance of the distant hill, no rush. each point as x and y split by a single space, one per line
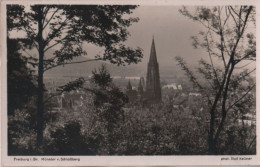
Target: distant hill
85 69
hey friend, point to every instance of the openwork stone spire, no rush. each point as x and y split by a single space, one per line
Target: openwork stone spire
153 86
153 58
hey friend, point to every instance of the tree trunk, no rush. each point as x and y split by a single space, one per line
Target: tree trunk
211 144
224 111
212 147
40 106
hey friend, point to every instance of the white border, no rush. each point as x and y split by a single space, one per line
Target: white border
121 160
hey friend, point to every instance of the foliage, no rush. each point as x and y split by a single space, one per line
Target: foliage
21 84
97 126
226 39
160 132
66 28
109 102
101 78
142 131
69 140
22 128
71 86
21 138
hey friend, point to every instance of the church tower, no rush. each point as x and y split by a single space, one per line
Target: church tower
153 85
129 86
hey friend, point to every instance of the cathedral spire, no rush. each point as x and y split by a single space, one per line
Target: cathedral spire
153 57
153 85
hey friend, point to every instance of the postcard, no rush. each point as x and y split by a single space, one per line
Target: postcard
129 83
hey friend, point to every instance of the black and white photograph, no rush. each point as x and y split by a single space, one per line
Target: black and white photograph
130 80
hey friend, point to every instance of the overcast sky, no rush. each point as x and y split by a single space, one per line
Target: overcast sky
171 31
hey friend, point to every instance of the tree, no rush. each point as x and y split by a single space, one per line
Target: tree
21 84
106 109
68 140
65 28
21 88
229 40
109 102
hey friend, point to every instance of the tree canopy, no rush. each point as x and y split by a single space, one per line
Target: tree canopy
65 28
228 39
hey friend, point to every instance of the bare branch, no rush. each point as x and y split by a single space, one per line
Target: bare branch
45 12
245 65
222 38
33 35
227 17
239 15
27 53
245 56
241 97
240 33
50 18
51 36
52 96
209 54
249 72
75 62
53 45
251 143
233 16
188 72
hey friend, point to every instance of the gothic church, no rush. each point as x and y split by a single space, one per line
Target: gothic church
151 91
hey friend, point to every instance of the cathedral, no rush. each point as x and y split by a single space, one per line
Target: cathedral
153 85
149 91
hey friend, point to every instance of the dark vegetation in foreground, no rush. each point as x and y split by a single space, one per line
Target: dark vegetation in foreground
103 126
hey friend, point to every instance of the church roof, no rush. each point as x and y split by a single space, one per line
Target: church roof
153 57
129 86
140 87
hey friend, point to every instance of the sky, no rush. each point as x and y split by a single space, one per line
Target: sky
172 35
170 29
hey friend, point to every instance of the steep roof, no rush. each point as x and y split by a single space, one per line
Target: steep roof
140 87
129 86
